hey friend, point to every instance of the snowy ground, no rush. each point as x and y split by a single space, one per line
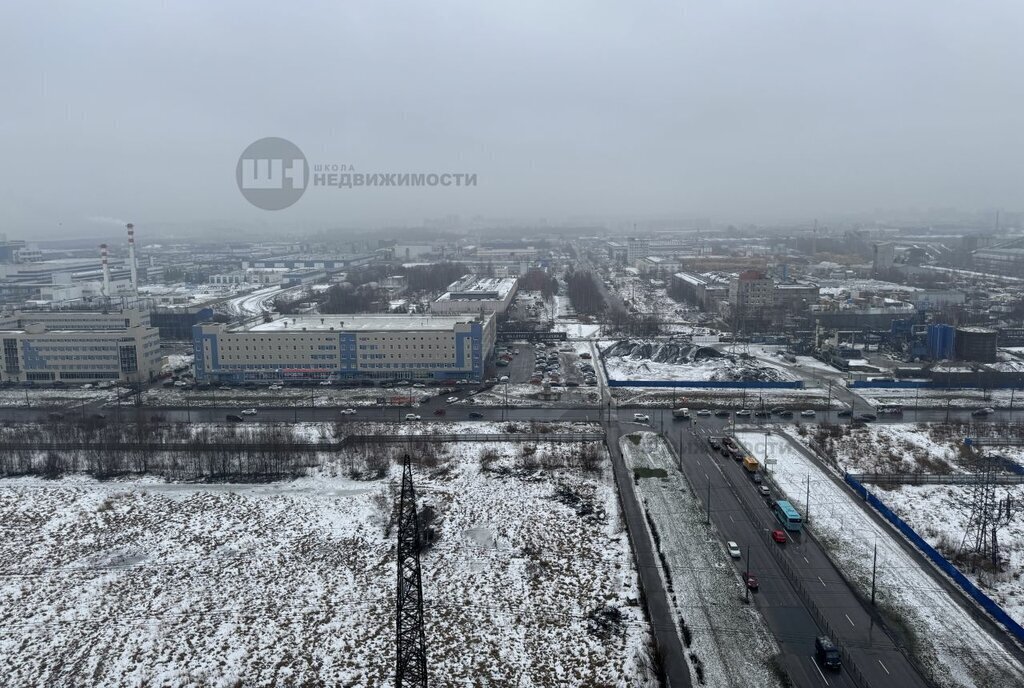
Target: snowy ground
892 448
941 398
947 640
53 397
725 398
142 583
729 638
621 368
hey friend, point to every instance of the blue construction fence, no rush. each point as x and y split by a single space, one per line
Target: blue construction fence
709 384
970 588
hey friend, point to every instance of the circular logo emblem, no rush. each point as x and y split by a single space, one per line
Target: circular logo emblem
272 173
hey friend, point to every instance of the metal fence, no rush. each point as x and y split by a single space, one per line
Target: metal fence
478 437
888 479
944 565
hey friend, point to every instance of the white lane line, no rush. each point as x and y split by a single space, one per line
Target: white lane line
884 667
849 619
822 582
731 518
815 663
806 560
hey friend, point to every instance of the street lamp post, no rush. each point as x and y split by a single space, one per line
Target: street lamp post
807 500
874 569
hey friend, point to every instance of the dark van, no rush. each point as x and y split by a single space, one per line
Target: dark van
827 653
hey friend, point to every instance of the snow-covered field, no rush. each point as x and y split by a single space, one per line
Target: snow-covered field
729 639
53 397
145 583
725 398
891 448
679 359
942 398
948 641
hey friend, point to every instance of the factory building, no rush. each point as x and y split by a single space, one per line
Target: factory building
473 294
345 348
79 343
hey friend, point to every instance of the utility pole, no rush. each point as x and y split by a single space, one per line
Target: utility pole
874 569
807 500
707 517
410 638
746 574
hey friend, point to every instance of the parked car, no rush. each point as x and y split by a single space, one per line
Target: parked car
750 580
249 412
348 412
808 413
734 549
982 412
779 536
419 385
845 413
641 418
503 378
475 415
743 413
411 416
451 400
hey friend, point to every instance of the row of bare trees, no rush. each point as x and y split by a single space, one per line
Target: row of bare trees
175 451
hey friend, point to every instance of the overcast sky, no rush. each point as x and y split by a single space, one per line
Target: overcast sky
737 110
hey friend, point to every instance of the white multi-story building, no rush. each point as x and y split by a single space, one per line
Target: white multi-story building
473 294
346 348
79 343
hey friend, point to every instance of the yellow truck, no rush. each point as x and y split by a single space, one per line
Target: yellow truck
751 464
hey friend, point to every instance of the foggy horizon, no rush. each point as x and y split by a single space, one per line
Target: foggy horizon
746 113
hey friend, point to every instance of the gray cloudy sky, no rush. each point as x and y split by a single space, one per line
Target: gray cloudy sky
738 110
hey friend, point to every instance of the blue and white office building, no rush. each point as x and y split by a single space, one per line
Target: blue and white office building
345 348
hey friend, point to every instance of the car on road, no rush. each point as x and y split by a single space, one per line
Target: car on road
641 418
348 412
703 412
785 413
475 415
826 652
412 416
734 549
223 388
714 443
232 418
325 383
762 414
982 412
721 413
249 412
778 410
743 413
867 417
845 413
419 385
750 580
439 412
779 536
451 400
503 378
808 413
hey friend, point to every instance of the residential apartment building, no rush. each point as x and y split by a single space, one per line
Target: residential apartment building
346 348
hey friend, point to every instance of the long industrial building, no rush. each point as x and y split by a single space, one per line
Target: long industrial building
80 342
345 348
473 294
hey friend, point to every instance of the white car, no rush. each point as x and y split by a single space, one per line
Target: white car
249 412
703 412
809 413
451 400
411 416
325 383
641 418
503 378
419 385
275 387
348 412
734 550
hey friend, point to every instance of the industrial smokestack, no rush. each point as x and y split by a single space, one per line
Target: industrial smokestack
131 258
106 271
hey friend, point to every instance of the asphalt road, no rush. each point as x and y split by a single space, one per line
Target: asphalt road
743 516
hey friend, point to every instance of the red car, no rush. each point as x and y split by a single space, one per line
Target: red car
439 412
779 536
751 580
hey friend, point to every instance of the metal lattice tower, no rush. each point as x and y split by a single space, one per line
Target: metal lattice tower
410 638
980 543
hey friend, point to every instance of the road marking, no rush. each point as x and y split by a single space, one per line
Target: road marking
815 663
707 477
822 582
731 518
883 666
849 619
806 560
